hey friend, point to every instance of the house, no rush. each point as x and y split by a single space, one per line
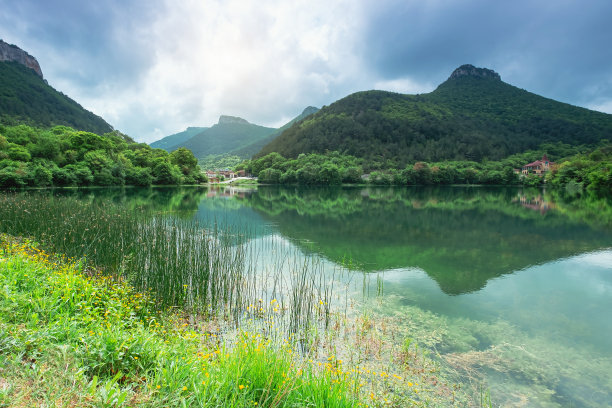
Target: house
228 174
538 167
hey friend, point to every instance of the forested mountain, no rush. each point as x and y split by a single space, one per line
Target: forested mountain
251 149
473 115
25 97
228 142
229 134
172 142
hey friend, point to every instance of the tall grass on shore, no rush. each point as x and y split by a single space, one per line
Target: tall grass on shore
207 271
69 339
183 263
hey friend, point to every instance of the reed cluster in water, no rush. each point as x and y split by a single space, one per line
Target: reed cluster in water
205 270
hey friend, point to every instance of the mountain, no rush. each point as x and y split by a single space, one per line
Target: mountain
25 97
173 142
228 142
251 149
229 134
473 115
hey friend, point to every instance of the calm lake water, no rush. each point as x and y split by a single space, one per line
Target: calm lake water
509 289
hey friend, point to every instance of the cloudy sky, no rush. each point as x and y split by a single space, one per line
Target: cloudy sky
153 67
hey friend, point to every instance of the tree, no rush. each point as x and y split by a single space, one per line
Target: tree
351 175
184 159
329 174
165 172
270 176
18 153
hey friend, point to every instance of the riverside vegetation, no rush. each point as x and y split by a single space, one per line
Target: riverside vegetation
62 156
577 168
147 309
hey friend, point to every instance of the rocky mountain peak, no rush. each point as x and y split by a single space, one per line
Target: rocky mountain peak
224 119
468 70
10 52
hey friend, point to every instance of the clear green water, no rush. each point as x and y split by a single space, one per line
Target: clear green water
510 289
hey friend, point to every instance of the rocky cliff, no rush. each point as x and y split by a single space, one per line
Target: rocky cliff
10 52
225 120
468 70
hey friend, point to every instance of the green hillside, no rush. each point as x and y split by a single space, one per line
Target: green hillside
471 116
228 142
229 134
251 149
172 142
26 98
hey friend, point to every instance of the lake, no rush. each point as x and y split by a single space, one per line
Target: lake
508 290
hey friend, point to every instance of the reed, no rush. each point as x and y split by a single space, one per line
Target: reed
208 271
180 261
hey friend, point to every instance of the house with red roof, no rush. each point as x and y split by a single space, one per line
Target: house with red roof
538 167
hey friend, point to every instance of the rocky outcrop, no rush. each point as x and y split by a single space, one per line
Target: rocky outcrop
10 52
471 71
224 119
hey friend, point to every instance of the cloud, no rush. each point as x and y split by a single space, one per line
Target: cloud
152 68
188 62
556 49
404 85
603 106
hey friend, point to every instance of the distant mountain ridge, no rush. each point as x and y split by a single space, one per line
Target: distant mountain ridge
25 97
174 141
230 136
473 115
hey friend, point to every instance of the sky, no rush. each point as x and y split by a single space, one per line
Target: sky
152 68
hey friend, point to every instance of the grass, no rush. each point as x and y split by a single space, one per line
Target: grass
70 339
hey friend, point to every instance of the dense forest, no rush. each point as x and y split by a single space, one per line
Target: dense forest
591 171
578 168
62 156
27 98
467 117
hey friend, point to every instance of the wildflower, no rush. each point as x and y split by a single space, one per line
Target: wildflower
184 388
241 387
158 387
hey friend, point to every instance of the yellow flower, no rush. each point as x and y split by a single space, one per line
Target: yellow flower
184 388
158 387
241 387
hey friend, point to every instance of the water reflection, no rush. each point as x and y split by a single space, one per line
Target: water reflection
461 237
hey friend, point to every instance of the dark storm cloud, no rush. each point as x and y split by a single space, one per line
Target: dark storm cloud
82 38
560 49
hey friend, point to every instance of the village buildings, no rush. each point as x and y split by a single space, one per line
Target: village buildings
538 167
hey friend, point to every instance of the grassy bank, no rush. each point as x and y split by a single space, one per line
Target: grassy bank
71 339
